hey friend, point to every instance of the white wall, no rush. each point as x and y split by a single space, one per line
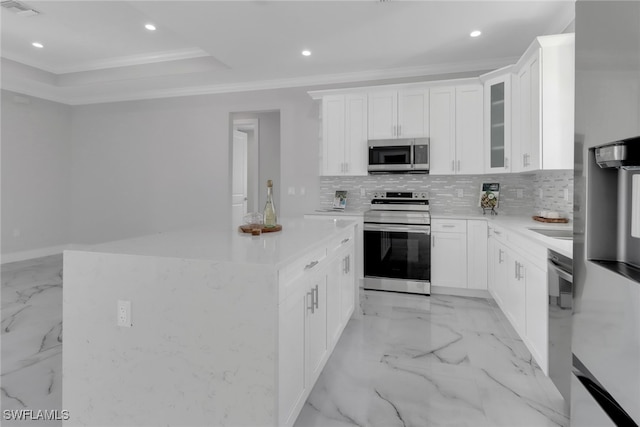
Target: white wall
147 166
35 173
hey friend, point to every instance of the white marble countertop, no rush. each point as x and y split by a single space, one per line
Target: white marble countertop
522 225
298 235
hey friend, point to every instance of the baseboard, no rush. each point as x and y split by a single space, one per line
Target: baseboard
460 292
34 253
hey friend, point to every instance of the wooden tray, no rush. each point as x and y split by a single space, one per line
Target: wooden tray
264 229
551 220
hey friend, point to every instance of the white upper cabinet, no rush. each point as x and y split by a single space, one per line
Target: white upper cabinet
456 123
543 96
442 130
469 126
497 122
399 113
344 135
413 113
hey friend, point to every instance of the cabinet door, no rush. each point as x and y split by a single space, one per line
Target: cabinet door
537 315
334 294
449 259
317 347
516 293
469 150
348 286
527 117
497 124
500 272
477 254
333 135
442 106
383 115
355 153
413 113
292 386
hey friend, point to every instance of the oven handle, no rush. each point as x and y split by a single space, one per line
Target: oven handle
419 229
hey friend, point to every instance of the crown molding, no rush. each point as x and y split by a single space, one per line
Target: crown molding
57 93
122 61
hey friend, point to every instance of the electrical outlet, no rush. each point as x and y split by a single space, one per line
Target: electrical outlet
566 194
519 193
541 193
363 192
303 191
460 192
292 191
124 313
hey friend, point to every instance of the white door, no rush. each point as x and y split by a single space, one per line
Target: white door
239 181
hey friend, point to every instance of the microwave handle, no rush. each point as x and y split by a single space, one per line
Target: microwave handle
412 155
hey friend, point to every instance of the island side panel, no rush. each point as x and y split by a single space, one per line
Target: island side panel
201 351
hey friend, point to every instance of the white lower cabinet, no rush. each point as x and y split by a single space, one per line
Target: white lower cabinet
477 254
537 317
459 253
319 301
449 253
518 283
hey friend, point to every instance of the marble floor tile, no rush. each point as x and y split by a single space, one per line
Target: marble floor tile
32 337
447 361
408 360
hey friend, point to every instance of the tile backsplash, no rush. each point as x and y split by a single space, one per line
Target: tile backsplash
459 194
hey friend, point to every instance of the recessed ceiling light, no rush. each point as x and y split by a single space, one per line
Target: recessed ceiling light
475 33
150 27
306 52
37 44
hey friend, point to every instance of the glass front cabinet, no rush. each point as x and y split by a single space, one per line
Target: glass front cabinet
497 115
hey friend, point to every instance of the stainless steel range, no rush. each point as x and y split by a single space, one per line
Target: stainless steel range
397 243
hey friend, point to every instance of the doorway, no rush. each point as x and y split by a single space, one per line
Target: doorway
255 158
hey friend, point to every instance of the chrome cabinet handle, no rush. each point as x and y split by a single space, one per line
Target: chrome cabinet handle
344 265
506 162
453 165
448 225
497 232
458 165
516 270
500 260
521 272
348 263
311 265
345 240
399 130
310 307
315 300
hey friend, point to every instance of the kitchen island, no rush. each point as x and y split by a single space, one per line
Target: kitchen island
224 328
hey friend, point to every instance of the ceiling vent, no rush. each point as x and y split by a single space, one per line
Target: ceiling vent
19 8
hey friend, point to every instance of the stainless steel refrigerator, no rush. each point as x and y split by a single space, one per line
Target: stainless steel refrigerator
605 380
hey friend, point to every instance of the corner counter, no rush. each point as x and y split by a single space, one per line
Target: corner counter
204 343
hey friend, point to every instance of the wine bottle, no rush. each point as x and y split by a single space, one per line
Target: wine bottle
270 219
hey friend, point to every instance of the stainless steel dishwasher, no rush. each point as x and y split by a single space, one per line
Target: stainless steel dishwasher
560 279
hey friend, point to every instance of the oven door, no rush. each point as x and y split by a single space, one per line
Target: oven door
390 156
396 251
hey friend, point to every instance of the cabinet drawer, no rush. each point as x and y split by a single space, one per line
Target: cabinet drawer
449 226
309 262
344 240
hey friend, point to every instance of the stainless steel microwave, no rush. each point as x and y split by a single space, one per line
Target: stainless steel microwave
409 155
